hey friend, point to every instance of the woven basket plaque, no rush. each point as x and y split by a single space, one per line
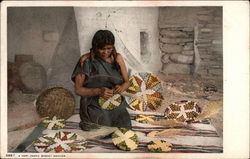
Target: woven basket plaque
125 139
146 92
111 103
51 123
159 146
145 118
60 142
182 110
56 101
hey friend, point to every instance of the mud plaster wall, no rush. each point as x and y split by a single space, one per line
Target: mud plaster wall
191 40
49 34
35 31
127 25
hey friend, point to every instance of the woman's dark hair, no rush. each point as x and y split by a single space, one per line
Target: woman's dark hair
102 38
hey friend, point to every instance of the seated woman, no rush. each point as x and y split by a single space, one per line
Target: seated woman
101 73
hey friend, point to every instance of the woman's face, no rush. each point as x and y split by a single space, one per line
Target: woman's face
105 52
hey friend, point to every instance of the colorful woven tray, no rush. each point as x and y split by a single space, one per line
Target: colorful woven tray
146 92
183 110
125 139
159 146
54 122
111 103
60 142
145 118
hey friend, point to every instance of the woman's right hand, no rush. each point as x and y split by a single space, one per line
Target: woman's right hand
106 92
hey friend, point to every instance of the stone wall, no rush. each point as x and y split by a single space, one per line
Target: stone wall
191 41
209 42
177 46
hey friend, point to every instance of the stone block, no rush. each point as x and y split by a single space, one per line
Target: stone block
183 59
205 12
210 35
205 17
218 13
190 34
175 40
175 28
211 60
209 63
213 26
176 69
204 51
188 52
182 44
216 52
188 46
171 28
188 29
202 71
218 31
171 48
204 45
218 19
212 77
202 41
219 59
216 48
217 66
216 71
201 24
173 34
206 30
210 56
165 59
217 42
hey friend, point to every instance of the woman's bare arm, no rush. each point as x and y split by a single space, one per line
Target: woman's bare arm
121 88
83 91
80 78
88 92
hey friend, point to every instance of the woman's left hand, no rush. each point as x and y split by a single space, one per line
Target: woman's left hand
120 88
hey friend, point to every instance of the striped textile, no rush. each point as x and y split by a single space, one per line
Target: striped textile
204 139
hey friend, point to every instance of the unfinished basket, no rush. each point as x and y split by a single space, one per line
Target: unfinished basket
111 103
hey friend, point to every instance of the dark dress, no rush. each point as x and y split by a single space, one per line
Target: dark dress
101 74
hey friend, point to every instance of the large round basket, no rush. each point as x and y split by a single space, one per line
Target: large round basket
56 101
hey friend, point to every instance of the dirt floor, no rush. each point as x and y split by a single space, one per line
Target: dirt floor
21 107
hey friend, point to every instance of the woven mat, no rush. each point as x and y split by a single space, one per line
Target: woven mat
204 140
